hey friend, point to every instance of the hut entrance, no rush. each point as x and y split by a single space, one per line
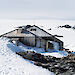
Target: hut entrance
50 45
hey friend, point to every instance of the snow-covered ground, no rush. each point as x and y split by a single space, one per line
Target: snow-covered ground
12 64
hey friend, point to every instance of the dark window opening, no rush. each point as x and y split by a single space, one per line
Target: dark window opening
33 30
50 46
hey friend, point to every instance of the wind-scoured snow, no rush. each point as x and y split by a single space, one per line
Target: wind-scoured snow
13 64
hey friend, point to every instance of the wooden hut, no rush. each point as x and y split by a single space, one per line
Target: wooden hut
35 36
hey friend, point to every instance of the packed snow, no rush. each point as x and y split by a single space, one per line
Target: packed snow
13 64
59 54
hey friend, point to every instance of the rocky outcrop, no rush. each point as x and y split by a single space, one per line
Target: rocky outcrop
60 66
65 26
37 57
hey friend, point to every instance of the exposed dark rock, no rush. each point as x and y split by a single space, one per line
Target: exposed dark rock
35 56
49 29
60 66
65 26
28 26
73 27
58 35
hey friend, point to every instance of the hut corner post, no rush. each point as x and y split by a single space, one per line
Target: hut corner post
60 46
46 47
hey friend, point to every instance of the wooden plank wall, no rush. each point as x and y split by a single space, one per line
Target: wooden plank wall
30 41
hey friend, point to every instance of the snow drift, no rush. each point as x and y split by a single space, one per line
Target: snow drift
12 64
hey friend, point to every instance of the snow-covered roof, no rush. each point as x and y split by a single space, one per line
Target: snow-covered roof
26 33
50 36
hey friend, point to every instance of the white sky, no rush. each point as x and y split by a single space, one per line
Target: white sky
37 9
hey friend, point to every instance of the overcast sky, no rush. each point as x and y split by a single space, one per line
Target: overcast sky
37 9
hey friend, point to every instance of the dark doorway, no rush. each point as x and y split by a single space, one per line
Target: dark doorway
50 45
